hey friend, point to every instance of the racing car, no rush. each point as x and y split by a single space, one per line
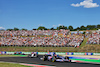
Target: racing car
33 54
19 53
53 57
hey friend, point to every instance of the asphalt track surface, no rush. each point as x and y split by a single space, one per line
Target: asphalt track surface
38 61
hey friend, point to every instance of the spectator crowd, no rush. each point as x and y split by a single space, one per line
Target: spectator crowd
46 38
34 37
33 32
94 38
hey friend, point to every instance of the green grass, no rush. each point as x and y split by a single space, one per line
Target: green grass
90 48
2 64
40 49
88 60
84 42
82 48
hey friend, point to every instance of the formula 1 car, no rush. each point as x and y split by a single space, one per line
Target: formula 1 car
33 54
19 53
53 57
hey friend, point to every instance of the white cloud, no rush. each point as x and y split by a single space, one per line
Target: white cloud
2 28
86 4
54 25
59 24
40 24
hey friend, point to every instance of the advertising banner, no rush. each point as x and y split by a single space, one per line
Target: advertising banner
3 52
61 53
42 53
77 53
10 52
26 52
96 53
69 53
88 53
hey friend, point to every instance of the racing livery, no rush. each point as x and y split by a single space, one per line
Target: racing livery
33 54
19 53
53 57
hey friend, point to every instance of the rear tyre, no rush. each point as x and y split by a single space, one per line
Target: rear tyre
29 55
35 55
70 61
66 57
53 59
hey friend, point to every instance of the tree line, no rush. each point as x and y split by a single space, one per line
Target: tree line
88 27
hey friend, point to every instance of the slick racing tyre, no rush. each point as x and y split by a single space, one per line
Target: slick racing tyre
66 57
70 61
35 55
29 55
53 59
44 58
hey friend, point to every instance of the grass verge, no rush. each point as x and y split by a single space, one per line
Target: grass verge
40 49
2 64
12 55
88 60
84 42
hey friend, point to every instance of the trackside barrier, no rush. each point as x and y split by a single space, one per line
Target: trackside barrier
96 53
88 53
42 53
69 53
26 52
59 53
2 52
77 53
10 52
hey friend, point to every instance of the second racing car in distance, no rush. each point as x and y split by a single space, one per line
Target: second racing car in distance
33 54
53 57
19 53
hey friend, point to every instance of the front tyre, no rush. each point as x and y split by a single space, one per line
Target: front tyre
29 55
44 58
53 59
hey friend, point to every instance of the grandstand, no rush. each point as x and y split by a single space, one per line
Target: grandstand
45 38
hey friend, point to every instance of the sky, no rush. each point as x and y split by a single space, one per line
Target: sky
31 14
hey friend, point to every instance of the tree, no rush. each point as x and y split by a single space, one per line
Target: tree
66 27
70 28
16 29
52 28
24 29
82 28
9 29
41 28
61 27
34 29
91 27
76 29
98 26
